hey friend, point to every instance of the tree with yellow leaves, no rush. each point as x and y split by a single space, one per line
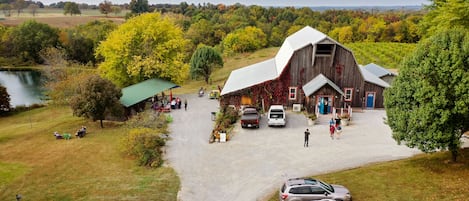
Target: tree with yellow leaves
146 46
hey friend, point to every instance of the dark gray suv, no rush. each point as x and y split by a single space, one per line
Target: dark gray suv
301 189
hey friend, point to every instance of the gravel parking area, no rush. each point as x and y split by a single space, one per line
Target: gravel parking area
256 161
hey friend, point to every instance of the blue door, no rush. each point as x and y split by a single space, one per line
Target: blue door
322 108
370 100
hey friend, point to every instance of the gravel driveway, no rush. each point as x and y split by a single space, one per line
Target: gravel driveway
256 161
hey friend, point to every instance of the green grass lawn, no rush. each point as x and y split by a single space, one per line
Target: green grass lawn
35 165
423 177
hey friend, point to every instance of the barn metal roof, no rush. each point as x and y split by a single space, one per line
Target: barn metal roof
250 76
317 83
377 70
372 78
136 93
296 41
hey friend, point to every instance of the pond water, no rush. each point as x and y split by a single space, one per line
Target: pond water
24 87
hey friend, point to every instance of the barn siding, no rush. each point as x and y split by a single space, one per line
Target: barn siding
379 96
340 67
343 71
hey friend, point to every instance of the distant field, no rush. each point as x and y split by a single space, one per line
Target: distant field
56 18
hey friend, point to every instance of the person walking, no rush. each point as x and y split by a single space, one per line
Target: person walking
185 104
332 130
338 131
306 138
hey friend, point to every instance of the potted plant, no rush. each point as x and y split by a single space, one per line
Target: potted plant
311 119
345 119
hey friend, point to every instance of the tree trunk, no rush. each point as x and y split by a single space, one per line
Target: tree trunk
101 123
454 148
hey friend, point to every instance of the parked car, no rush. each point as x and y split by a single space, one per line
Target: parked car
250 118
276 116
302 189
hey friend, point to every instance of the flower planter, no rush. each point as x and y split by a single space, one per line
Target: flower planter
344 122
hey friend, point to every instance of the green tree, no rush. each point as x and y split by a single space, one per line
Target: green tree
33 9
139 6
116 10
31 37
244 40
96 98
6 8
71 8
79 48
19 5
202 32
4 100
105 7
146 46
203 61
445 14
428 104
81 41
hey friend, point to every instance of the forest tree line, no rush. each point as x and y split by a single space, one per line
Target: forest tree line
221 25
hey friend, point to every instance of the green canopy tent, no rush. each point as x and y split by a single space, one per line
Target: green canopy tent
139 92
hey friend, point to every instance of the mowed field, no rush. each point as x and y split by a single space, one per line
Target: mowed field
56 18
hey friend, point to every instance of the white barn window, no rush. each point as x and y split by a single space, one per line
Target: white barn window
348 94
292 93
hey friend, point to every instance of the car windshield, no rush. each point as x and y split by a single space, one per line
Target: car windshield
326 186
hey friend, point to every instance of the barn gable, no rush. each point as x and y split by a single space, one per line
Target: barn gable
317 83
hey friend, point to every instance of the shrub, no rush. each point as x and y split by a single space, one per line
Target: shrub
226 118
345 116
151 120
144 144
312 116
144 139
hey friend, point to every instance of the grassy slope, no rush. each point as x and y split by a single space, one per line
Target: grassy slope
424 177
39 167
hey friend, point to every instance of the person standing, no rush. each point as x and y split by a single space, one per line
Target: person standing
185 104
306 138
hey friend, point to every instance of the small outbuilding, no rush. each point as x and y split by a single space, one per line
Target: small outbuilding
383 73
134 96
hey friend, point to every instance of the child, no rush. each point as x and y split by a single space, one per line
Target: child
338 131
332 130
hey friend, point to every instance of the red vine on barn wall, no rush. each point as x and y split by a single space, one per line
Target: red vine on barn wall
272 92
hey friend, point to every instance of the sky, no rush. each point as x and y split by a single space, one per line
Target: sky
297 3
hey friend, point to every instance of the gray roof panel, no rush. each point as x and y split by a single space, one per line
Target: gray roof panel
377 70
372 78
250 76
317 83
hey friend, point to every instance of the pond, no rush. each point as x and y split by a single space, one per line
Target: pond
24 87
